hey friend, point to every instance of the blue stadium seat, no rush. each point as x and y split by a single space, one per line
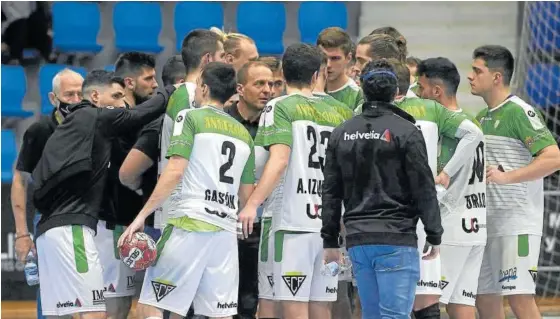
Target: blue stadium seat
544 26
75 26
9 155
14 87
543 84
137 26
190 15
265 23
314 16
110 68
46 75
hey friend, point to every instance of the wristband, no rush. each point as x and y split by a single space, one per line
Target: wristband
21 236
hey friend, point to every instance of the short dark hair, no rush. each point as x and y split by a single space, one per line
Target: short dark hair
299 63
220 78
412 60
403 75
382 46
400 39
173 70
379 82
273 62
335 37
441 69
498 59
101 78
130 64
243 73
353 54
196 44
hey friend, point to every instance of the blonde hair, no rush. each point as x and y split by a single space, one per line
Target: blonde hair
231 40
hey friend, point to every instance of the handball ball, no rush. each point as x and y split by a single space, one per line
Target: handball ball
140 252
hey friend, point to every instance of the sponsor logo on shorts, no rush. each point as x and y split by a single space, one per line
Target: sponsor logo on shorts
473 226
69 304
294 281
469 294
97 297
508 287
507 275
224 305
533 273
111 288
270 281
130 284
330 290
430 284
443 284
162 289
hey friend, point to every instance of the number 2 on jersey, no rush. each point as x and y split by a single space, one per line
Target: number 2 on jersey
324 139
478 165
227 145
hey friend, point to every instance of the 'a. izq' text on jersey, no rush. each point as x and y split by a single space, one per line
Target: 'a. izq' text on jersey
221 157
514 132
304 124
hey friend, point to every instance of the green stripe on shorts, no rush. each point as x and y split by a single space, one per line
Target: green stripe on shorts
266 225
163 239
523 245
278 245
119 230
79 249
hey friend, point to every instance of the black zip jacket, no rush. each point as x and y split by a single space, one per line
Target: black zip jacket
377 164
71 175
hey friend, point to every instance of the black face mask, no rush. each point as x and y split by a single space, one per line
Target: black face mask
63 108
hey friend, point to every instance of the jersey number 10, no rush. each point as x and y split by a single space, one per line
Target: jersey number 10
478 165
227 145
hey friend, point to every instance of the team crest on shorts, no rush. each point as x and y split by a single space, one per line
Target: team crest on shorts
270 281
162 289
294 281
533 273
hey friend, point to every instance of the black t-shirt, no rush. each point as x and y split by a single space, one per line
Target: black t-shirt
148 143
34 140
252 127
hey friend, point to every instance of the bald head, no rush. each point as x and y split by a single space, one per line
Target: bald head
66 88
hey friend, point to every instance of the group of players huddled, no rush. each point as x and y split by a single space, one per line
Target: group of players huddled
204 175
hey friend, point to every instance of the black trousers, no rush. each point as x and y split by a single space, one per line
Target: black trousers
248 298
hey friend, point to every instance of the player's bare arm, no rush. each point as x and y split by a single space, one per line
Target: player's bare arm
133 167
246 218
545 163
23 240
167 182
273 170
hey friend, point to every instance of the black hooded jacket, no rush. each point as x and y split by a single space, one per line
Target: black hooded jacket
377 165
71 176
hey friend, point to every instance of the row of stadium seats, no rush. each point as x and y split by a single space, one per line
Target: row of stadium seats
137 25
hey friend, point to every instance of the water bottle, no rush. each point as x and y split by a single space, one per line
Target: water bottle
31 270
333 268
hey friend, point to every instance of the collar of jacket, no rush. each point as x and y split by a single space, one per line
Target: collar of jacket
85 103
378 108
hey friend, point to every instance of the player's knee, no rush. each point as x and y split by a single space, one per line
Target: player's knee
118 308
93 315
424 301
430 312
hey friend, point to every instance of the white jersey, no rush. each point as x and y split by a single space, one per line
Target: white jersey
221 158
182 98
304 124
515 132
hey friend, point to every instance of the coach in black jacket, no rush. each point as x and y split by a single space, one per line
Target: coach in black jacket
376 163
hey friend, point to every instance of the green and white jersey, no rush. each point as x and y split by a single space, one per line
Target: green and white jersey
336 104
304 124
182 98
515 133
350 94
221 157
463 203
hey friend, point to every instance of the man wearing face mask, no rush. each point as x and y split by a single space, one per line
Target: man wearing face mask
67 89
70 180
254 87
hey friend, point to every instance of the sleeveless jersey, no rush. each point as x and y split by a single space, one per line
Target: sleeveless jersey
304 124
463 203
515 133
182 98
221 157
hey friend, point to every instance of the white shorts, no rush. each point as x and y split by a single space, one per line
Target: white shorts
510 264
430 270
118 278
298 259
71 277
460 267
199 268
266 257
